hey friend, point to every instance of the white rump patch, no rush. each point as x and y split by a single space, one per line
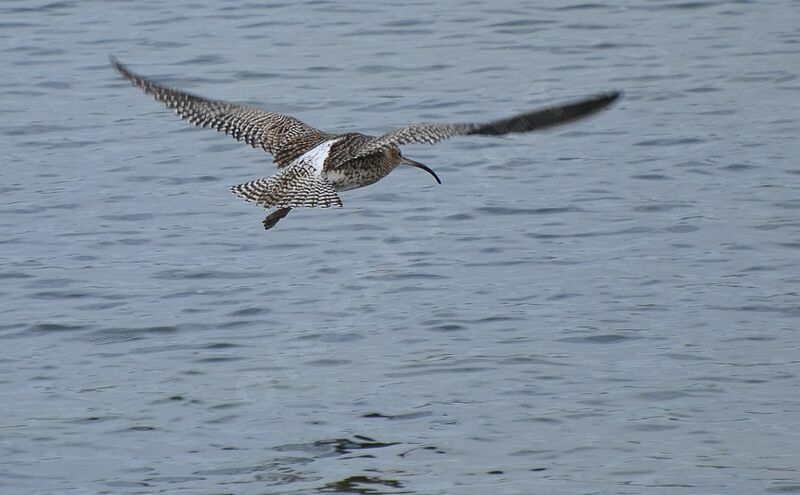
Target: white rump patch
316 156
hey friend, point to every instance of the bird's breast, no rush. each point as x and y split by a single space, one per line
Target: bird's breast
359 173
344 179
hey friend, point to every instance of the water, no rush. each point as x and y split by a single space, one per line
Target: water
609 307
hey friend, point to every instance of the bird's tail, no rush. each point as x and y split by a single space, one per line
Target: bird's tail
292 187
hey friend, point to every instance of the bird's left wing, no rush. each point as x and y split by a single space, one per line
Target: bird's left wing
282 136
524 122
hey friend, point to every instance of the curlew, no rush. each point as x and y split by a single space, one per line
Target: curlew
314 165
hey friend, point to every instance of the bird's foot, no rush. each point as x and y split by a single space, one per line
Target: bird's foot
275 217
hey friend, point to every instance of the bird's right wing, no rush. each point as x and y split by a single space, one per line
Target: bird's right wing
524 122
284 137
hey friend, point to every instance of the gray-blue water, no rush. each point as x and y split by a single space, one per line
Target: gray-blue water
609 307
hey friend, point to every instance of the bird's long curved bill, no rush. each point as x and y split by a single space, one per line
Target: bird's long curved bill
412 163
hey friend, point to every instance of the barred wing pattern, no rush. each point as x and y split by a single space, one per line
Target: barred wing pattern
296 185
283 136
525 122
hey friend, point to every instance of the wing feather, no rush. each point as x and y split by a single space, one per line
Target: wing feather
283 136
524 122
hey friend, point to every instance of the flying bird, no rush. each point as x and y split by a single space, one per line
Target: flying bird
314 165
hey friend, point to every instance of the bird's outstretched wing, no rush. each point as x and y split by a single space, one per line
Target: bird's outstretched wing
524 122
284 137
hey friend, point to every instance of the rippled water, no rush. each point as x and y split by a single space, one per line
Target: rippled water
610 307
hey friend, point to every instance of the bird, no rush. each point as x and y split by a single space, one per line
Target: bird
314 165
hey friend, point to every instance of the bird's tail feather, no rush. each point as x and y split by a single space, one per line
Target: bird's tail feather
292 187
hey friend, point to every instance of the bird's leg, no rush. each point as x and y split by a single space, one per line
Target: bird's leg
274 217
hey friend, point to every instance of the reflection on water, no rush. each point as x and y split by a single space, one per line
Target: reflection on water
364 485
338 446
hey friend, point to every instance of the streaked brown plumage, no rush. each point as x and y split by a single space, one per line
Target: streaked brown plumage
313 164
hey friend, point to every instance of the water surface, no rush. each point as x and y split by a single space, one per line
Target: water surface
609 307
